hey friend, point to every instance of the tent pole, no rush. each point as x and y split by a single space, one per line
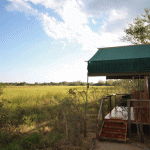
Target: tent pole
85 119
86 96
107 86
141 127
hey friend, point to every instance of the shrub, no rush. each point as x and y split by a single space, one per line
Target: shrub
31 141
12 146
5 137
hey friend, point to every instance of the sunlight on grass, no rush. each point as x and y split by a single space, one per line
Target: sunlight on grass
44 112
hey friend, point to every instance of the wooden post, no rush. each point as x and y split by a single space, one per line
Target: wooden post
141 133
146 96
98 120
141 126
149 117
129 119
110 106
103 110
115 105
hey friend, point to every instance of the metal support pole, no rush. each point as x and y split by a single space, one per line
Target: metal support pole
107 86
141 126
85 119
86 97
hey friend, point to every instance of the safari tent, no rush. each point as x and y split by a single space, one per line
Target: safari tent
124 62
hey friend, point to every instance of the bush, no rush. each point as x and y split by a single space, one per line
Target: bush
31 141
5 137
1 90
12 146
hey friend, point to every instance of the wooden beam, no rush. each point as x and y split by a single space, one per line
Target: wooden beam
122 75
149 117
137 100
115 105
129 119
124 94
110 105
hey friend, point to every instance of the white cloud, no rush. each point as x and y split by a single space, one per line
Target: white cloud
52 4
75 26
94 22
98 8
64 44
22 6
117 14
73 71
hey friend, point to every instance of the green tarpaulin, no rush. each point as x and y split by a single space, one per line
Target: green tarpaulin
120 62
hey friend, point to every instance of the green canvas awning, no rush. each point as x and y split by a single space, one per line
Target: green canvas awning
120 62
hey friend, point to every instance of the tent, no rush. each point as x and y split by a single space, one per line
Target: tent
124 62
120 62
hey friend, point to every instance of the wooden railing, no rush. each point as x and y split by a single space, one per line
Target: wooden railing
99 119
102 111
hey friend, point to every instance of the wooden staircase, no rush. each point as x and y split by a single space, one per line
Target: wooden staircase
114 129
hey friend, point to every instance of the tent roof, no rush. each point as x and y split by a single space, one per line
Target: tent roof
125 60
123 52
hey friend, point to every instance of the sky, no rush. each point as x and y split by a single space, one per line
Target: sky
50 40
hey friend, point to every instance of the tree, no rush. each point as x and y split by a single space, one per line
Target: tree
36 83
139 31
1 89
24 83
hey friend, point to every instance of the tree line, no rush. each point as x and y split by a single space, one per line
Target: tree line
65 83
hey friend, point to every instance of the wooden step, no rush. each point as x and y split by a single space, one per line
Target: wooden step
114 125
114 129
120 136
116 121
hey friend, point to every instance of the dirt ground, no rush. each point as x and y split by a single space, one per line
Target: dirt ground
105 145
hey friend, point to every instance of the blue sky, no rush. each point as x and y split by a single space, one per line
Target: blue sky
50 40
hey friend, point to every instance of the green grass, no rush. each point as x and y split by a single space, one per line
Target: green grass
28 110
34 91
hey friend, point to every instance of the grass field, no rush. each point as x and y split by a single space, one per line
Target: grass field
14 91
27 113
41 117
22 96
